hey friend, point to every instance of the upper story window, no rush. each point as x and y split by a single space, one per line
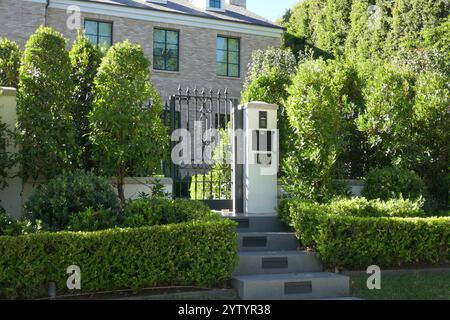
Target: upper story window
228 57
100 33
216 4
166 45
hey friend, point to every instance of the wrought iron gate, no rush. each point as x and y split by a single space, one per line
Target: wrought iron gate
202 115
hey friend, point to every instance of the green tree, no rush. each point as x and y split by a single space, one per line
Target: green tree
44 104
85 59
127 133
10 55
7 159
268 78
314 113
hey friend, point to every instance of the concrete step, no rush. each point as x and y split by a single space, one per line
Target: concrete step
254 223
292 286
261 262
267 241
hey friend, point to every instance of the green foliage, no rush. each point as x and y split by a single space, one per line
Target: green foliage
127 133
365 28
85 59
392 182
314 111
7 158
94 220
386 242
306 217
161 211
438 38
194 254
44 105
388 234
10 55
10 226
67 194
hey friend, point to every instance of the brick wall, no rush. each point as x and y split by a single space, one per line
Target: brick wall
197 45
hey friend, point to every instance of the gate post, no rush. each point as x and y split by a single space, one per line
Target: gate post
260 153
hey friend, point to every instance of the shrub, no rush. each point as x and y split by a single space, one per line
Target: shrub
161 211
94 220
10 55
85 60
191 254
306 217
7 158
127 134
10 226
67 194
44 105
352 242
391 183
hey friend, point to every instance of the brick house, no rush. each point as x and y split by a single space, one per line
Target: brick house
203 43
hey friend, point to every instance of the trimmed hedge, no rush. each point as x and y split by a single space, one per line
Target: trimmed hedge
195 253
355 243
357 233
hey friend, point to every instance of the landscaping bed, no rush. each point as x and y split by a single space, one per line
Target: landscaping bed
196 253
354 234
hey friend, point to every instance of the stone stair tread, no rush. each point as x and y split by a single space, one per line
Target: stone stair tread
308 276
277 253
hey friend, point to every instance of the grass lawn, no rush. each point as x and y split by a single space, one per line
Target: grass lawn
421 285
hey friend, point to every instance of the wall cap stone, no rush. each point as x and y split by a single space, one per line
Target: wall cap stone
259 105
8 91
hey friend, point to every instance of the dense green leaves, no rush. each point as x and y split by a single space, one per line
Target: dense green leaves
127 133
192 254
67 194
85 59
357 233
392 183
44 107
10 55
7 158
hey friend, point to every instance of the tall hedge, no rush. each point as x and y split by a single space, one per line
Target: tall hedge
7 159
85 60
127 133
191 254
44 105
367 28
10 55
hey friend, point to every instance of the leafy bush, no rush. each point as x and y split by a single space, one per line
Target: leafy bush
93 220
161 211
352 242
317 127
44 107
10 55
391 183
67 194
192 254
127 134
357 233
85 60
7 158
10 226
306 217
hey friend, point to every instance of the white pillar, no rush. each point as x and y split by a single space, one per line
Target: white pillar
261 157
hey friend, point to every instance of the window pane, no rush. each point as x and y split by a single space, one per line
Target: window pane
222 69
172 37
214 4
233 44
93 39
104 41
233 57
158 62
172 64
105 29
221 56
233 70
159 48
90 27
221 43
159 35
